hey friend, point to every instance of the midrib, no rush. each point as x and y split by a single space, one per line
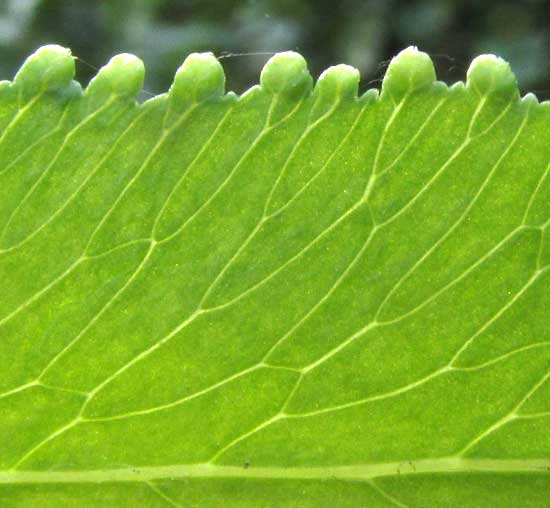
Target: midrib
357 472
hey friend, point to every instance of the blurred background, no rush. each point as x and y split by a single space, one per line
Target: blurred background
363 33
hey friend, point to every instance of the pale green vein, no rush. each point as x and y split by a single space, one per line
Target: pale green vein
507 418
162 495
455 225
355 472
534 194
45 173
387 496
467 140
423 126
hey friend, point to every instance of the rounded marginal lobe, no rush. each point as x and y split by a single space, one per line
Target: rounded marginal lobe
338 81
50 68
122 76
199 78
489 74
408 71
287 74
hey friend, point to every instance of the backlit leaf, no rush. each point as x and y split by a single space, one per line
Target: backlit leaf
296 297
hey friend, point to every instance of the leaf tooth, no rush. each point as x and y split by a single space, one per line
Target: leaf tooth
199 78
50 68
338 81
490 74
122 76
286 74
336 84
530 99
409 70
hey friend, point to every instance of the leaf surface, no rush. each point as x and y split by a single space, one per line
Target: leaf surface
293 297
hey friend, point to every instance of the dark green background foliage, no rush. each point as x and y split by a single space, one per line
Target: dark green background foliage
363 33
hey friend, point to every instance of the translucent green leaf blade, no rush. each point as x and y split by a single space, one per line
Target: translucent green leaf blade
293 297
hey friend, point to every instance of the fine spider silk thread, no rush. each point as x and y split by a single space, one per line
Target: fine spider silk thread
225 54
96 69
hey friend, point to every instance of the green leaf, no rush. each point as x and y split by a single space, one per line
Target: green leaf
295 297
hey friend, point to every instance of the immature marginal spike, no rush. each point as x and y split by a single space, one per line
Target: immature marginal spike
286 73
335 84
122 76
199 78
489 74
50 68
338 81
409 70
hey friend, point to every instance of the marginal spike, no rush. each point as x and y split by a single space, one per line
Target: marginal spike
530 98
490 74
287 74
199 78
122 76
49 68
408 71
338 81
